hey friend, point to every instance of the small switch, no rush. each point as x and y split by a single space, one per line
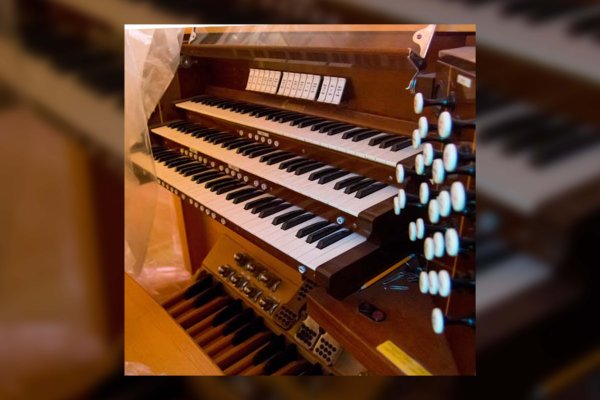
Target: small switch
370 311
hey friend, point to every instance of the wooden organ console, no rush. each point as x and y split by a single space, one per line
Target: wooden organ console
333 178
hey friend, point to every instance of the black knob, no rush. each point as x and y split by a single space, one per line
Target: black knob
438 172
439 321
241 259
446 124
420 102
452 156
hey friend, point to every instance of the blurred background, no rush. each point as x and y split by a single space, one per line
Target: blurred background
62 251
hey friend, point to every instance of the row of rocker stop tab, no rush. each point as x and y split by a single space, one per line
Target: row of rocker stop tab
324 89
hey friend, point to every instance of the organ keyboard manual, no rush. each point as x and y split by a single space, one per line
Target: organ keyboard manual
322 179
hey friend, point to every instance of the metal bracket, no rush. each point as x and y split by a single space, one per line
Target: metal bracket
423 38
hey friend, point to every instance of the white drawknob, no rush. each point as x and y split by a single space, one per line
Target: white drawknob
424 282
420 228
438 244
402 198
450 157
412 231
423 127
428 153
424 193
433 211
419 164
444 124
416 139
445 283
418 103
438 173
428 248
437 321
397 208
434 284
445 203
399 173
459 196
452 242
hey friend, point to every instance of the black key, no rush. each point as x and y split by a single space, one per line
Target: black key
267 205
167 157
359 185
307 230
260 113
377 140
250 149
364 192
287 216
200 168
230 187
310 122
259 202
318 126
401 145
237 193
280 158
332 177
176 163
230 140
348 181
211 136
215 182
261 152
274 116
286 164
248 146
326 128
200 133
175 124
297 221
295 166
303 119
218 138
238 143
390 141
331 239
307 168
321 173
290 118
340 129
206 176
364 135
247 196
190 163
321 233
224 139
183 168
274 210
272 155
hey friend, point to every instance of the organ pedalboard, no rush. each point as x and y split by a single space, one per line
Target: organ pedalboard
348 225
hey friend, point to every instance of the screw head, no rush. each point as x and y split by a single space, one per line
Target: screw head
340 220
301 269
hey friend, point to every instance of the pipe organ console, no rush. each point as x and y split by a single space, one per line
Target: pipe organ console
339 170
